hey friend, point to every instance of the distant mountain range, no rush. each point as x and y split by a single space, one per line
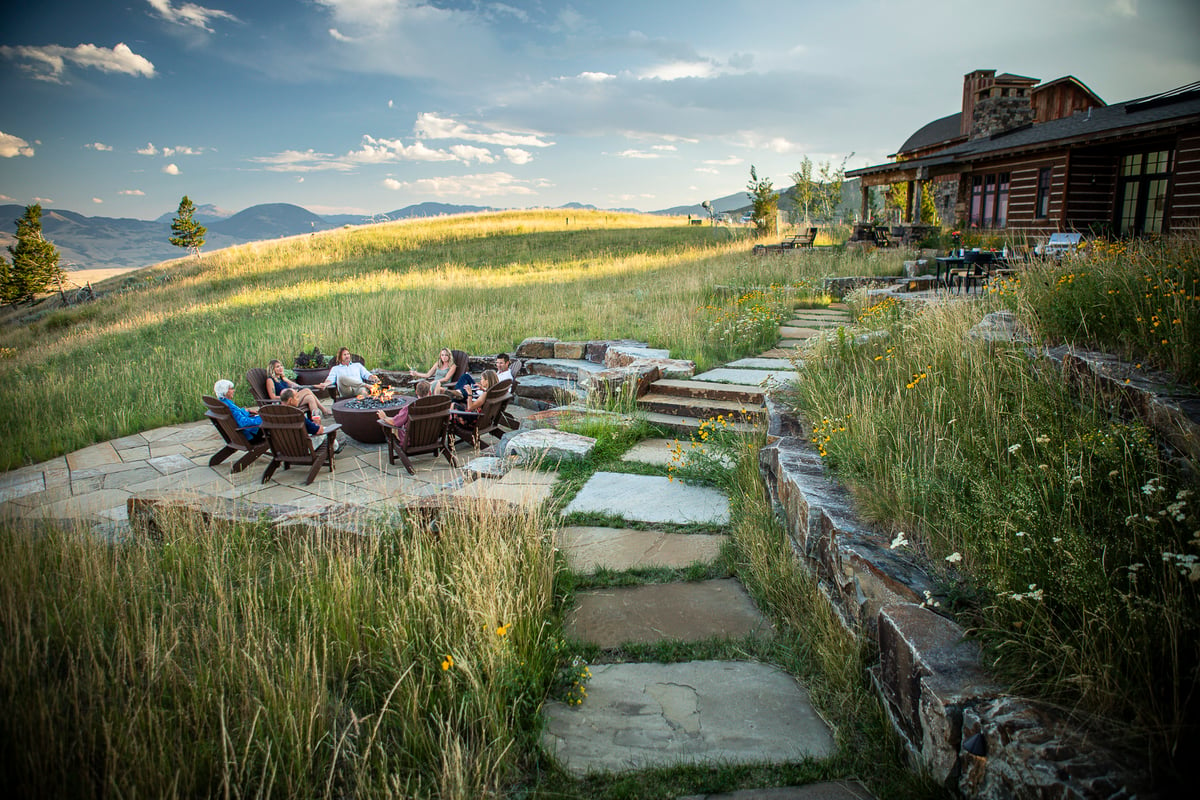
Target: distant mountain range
98 242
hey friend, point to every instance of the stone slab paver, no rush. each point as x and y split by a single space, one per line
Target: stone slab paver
790 332
15 486
94 456
589 548
651 451
756 376
760 363
529 477
83 506
665 612
647 715
825 790
526 494
650 498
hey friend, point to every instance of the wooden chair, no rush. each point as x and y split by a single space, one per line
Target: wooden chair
427 432
257 378
235 437
881 238
472 426
290 442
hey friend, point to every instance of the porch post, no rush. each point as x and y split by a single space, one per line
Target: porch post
863 189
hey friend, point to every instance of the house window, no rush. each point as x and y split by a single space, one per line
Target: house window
1042 208
989 200
1142 184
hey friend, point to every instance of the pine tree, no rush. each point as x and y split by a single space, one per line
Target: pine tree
765 202
34 266
188 232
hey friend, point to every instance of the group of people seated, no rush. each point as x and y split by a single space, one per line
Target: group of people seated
251 423
351 378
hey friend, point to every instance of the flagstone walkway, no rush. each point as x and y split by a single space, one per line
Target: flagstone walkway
638 715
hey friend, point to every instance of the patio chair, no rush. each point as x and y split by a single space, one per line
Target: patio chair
472 426
291 444
332 389
235 438
976 269
427 432
257 378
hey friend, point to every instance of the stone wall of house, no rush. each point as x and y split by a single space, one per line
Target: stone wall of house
996 114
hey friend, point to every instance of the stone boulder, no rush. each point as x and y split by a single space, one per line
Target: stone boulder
549 444
1001 326
671 368
536 347
636 377
573 350
596 350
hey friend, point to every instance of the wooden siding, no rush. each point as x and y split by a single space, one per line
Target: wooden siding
1091 183
1184 208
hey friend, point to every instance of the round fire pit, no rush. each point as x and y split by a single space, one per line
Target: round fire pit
358 416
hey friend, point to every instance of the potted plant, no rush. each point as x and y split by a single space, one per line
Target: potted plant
312 367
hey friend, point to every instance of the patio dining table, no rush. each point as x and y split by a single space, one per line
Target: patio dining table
950 263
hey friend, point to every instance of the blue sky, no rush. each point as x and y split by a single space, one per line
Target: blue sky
363 106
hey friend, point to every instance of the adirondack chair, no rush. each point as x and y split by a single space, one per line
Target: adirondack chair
290 442
332 389
427 432
472 426
235 438
257 378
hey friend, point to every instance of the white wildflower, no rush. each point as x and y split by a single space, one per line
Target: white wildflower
954 557
900 541
1043 439
929 601
1014 448
1153 485
1021 533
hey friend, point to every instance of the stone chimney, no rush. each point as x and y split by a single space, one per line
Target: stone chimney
993 103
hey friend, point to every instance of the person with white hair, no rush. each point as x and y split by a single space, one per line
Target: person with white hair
248 422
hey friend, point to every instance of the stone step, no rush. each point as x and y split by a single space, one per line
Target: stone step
688 425
588 549
655 715
747 393
699 407
650 498
665 612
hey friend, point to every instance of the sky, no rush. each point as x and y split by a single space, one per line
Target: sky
119 109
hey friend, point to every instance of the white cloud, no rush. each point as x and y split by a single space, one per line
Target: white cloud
49 62
383 151
6 199
708 170
391 103
731 161
667 147
97 200
679 69
341 37
300 179
99 146
12 146
432 126
189 14
1125 8
171 169
596 77
518 156
469 152
297 161
478 187
181 150
43 200
637 154
132 192
148 150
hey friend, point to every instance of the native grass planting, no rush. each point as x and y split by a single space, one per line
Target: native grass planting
1063 534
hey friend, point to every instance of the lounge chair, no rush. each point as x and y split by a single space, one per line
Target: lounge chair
257 378
427 432
235 437
291 444
472 426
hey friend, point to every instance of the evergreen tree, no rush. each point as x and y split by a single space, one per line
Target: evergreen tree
765 202
188 232
34 266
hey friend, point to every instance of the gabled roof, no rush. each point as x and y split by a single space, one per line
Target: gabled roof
1008 77
1097 124
1069 79
936 132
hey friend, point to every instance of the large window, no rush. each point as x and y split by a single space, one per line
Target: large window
1042 208
989 200
1142 192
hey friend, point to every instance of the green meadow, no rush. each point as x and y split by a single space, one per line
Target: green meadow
232 661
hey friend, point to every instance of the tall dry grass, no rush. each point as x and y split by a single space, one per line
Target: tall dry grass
241 662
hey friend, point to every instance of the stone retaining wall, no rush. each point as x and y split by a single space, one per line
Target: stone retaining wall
956 721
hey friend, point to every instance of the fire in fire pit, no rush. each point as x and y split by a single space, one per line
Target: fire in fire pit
378 398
